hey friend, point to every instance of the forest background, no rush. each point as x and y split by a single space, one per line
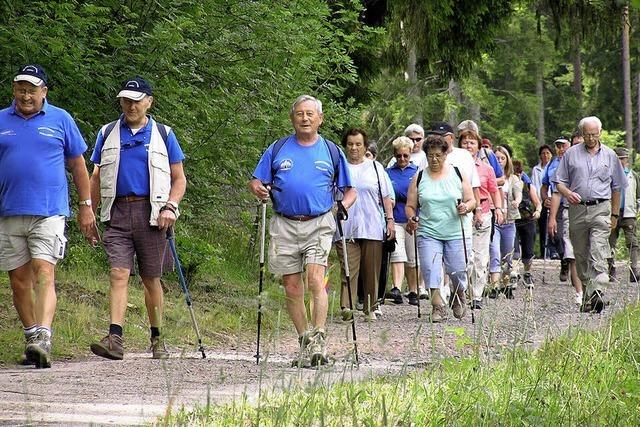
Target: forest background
225 73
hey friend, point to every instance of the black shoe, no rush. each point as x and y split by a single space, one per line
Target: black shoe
633 276
564 270
493 294
508 292
476 305
413 298
396 295
597 303
527 280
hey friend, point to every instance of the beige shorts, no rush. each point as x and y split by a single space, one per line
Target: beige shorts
294 244
400 254
25 237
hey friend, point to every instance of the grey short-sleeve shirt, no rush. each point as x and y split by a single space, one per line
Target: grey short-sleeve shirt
591 176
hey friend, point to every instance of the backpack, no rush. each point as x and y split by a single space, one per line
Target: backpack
526 206
162 129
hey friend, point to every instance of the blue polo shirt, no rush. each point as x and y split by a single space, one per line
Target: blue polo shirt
400 179
33 180
133 172
303 179
548 178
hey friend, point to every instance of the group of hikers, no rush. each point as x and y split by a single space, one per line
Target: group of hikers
138 180
449 214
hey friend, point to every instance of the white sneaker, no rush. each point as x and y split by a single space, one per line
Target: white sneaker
378 311
578 298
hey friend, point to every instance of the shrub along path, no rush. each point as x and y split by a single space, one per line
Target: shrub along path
138 389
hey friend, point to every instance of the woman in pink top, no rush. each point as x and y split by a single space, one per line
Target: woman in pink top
489 196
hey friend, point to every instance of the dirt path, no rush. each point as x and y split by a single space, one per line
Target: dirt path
137 390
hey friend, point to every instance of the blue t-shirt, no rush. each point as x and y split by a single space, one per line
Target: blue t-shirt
303 180
493 161
33 180
133 172
550 173
400 179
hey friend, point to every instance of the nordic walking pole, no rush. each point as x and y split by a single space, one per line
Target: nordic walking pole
415 250
544 251
466 263
262 237
342 216
185 289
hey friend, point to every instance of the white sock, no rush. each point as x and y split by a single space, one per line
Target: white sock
30 331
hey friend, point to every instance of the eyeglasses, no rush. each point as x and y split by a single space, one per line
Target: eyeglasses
590 135
416 139
435 156
402 156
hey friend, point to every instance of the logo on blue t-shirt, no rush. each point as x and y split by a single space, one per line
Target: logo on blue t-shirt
323 166
45 131
286 165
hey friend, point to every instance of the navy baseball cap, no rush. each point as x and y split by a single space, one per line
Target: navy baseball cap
32 73
135 88
440 128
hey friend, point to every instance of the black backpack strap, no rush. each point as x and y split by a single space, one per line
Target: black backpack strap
162 129
108 130
455 168
417 188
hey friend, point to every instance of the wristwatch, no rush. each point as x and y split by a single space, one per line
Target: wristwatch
173 204
85 202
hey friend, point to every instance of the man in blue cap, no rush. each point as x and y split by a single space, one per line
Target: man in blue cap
139 180
34 202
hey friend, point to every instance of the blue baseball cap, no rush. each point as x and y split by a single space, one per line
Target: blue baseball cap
135 89
32 73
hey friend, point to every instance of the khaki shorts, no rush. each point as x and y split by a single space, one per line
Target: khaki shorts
400 254
294 244
25 237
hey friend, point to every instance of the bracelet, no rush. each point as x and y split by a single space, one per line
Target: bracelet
168 208
415 218
389 219
615 215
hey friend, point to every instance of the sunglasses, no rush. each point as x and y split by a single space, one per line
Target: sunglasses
416 139
402 156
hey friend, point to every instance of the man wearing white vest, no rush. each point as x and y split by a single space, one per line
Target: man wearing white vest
629 202
139 181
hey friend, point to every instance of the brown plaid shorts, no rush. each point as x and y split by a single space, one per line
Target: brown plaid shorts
128 233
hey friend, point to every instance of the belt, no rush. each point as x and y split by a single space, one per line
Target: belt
592 202
301 218
131 198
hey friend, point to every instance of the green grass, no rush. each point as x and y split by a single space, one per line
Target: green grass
580 378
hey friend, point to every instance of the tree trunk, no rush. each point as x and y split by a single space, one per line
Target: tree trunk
456 94
626 79
638 119
540 97
577 69
414 91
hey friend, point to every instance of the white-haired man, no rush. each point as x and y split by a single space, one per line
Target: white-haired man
415 133
590 177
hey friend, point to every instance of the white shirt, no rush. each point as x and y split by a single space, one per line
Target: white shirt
461 158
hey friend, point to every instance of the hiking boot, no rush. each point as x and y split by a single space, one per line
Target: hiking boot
493 293
438 313
513 281
508 292
346 314
459 305
302 358
597 304
158 348
413 298
528 280
110 347
360 305
564 270
38 350
396 295
317 349
424 293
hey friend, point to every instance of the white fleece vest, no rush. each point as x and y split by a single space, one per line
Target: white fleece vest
159 171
